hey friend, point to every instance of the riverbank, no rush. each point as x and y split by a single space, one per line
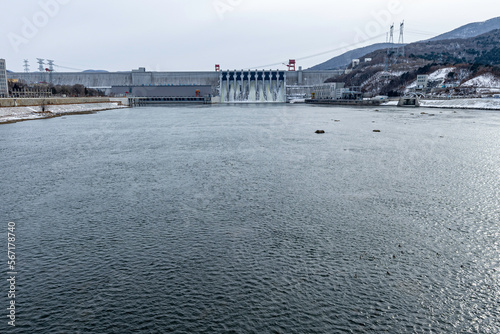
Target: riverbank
481 104
25 113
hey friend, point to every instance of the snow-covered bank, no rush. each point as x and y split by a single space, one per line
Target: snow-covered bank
484 104
17 114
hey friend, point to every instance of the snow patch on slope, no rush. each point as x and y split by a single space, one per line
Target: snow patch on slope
486 80
441 74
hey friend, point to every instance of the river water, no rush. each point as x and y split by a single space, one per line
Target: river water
240 219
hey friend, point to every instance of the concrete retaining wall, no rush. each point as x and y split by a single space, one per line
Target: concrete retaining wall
9 102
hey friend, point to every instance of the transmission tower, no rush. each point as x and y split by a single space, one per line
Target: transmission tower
391 36
401 38
41 64
51 65
401 32
26 66
389 50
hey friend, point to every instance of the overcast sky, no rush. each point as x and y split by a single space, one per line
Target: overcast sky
184 35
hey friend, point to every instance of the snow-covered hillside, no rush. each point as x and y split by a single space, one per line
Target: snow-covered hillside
442 81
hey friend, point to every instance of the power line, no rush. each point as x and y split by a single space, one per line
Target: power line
69 68
418 32
322 53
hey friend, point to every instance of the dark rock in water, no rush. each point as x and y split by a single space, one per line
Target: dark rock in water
377 131
320 131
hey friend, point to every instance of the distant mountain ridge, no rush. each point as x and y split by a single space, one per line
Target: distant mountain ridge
470 30
95 71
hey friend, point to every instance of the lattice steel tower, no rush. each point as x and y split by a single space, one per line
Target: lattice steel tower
41 64
51 65
26 66
401 38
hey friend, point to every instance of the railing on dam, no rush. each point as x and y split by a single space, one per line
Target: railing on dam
141 101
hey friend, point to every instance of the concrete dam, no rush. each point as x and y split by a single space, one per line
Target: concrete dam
229 85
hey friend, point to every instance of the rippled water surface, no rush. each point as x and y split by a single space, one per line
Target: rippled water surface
240 219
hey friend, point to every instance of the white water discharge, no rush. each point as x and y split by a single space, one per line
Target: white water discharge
252 86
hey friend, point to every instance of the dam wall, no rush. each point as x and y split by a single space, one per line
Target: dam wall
120 78
139 78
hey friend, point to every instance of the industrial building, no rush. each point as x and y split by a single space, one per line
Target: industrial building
332 90
422 81
4 88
